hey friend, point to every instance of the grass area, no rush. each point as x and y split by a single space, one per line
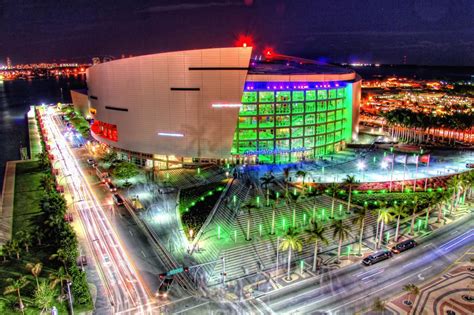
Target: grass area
77 120
28 194
196 203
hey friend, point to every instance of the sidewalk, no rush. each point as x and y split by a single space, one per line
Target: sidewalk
7 200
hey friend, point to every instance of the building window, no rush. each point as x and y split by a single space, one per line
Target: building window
310 95
283 96
310 107
322 94
298 96
249 97
266 97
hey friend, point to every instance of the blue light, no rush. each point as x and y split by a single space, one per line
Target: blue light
249 86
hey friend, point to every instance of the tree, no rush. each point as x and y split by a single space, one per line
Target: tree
333 189
359 220
125 170
275 199
44 297
384 218
35 270
25 238
398 211
341 233
43 160
379 305
59 276
415 204
350 181
286 175
293 200
14 247
47 182
39 234
60 255
316 235
3 252
411 289
444 198
266 180
302 174
432 200
291 242
15 286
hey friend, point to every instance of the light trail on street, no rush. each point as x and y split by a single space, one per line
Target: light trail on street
125 289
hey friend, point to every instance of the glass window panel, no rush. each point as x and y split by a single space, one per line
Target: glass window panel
283 144
321 118
339 114
265 109
266 121
297 108
248 110
249 97
322 106
331 116
309 131
247 134
331 105
338 125
297 132
247 122
310 119
320 151
330 137
283 96
338 135
265 134
321 129
340 93
332 93
320 140
283 108
296 143
283 121
297 120
266 96
330 127
265 145
247 145
310 107
329 149
310 95
339 103
309 142
283 132
322 94
298 96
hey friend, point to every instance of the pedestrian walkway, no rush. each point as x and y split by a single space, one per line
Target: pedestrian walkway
6 202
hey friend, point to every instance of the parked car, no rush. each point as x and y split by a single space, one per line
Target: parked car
117 199
403 246
91 162
377 257
111 186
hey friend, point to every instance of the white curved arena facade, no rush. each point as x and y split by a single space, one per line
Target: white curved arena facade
221 104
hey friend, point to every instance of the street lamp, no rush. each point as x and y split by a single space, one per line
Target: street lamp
68 283
361 167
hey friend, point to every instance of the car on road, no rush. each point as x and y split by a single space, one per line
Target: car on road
377 257
403 246
91 162
117 199
469 165
111 187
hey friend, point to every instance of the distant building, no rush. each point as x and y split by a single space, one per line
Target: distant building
9 63
168 109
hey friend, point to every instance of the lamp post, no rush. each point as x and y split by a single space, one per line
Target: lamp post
68 283
361 167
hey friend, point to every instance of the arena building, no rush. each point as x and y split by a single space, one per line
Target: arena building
222 104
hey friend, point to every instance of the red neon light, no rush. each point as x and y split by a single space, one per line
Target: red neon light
105 130
268 53
244 41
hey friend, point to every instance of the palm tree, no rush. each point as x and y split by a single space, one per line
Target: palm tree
384 218
24 237
398 211
4 252
316 234
333 188
286 174
445 198
349 180
293 200
291 242
16 286
275 199
266 180
59 277
341 232
61 255
39 235
411 289
35 270
249 207
302 174
379 305
44 296
432 200
359 220
381 205
14 247
416 203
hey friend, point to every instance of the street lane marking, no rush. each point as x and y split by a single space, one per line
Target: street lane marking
369 276
429 244
454 244
366 272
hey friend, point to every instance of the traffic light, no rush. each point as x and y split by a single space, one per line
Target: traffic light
162 276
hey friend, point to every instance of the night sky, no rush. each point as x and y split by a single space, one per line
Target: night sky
429 32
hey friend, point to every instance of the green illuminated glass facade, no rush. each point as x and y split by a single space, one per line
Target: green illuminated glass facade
288 125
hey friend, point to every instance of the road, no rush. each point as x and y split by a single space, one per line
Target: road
355 288
123 284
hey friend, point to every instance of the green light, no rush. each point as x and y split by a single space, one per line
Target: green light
370 192
193 203
260 229
167 175
304 218
235 236
218 232
234 199
278 194
199 170
387 236
283 223
227 165
294 191
340 209
322 170
391 149
323 216
202 198
258 201
384 154
210 193
430 189
375 159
